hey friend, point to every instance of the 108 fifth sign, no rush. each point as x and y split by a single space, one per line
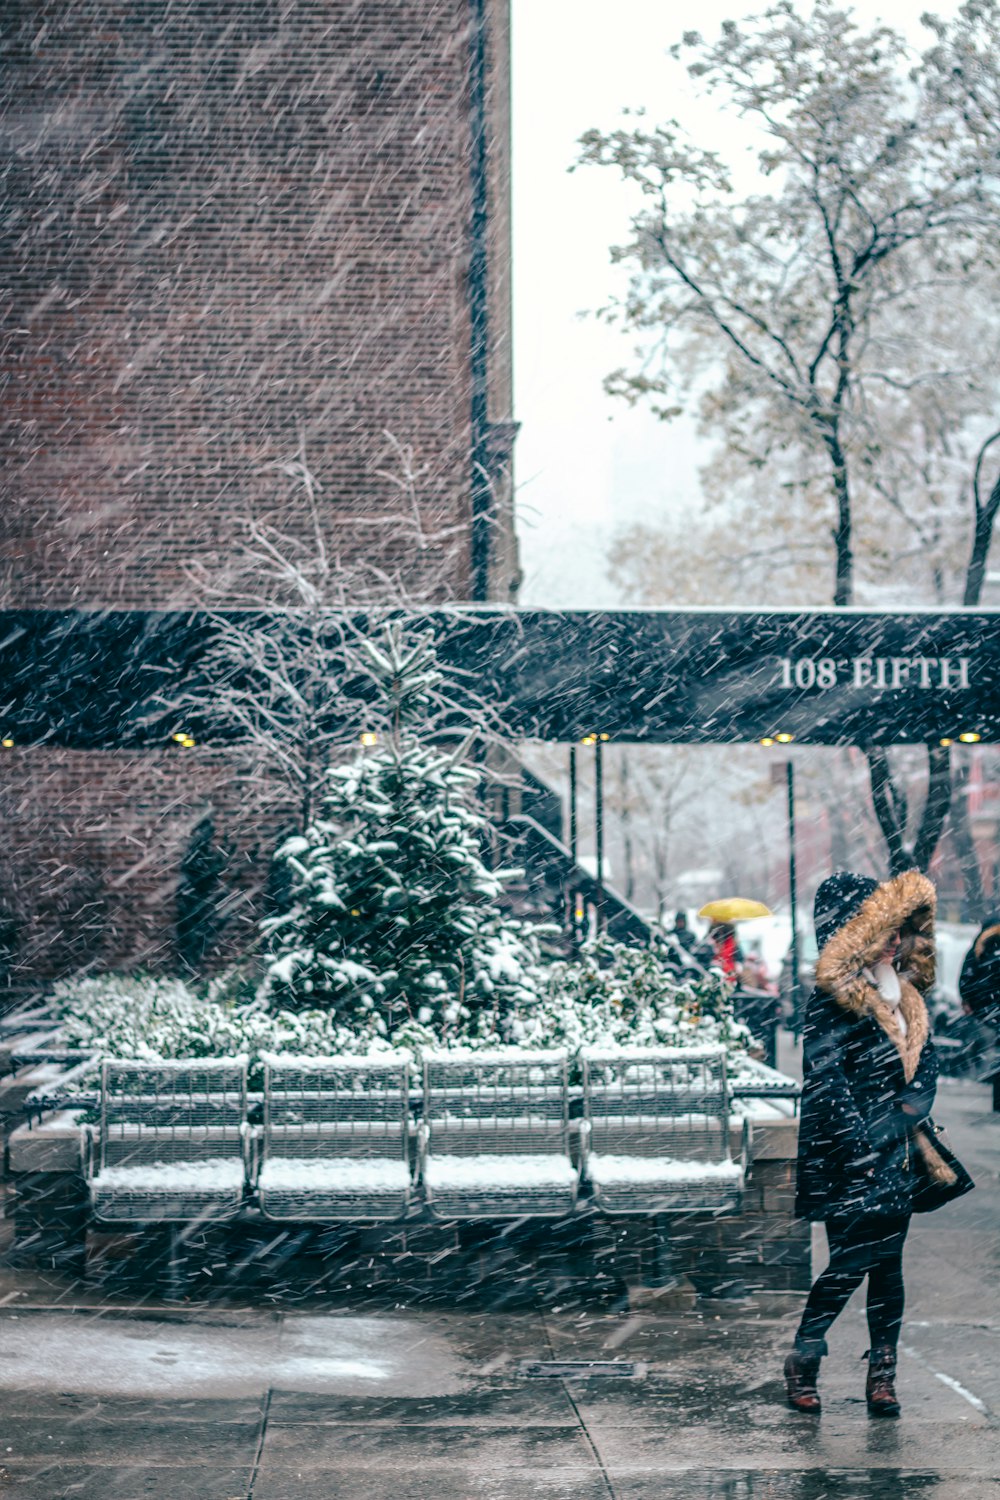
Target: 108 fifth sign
883 673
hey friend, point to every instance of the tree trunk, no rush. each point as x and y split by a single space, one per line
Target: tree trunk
976 573
974 903
891 809
982 536
659 852
626 815
843 593
936 805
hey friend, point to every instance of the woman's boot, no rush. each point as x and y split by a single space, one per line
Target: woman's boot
801 1371
880 1388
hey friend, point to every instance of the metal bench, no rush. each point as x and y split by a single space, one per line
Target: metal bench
336 1138
494 1137
171 1143
656 1131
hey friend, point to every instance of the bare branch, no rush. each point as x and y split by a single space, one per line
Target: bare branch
980 456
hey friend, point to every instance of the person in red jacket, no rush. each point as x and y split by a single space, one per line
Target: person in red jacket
727 954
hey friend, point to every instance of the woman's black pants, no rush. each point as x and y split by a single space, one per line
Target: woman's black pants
859 1246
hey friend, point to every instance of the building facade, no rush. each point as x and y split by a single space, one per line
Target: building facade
256 287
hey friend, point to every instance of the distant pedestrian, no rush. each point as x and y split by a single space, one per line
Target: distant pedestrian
979 982
727 954
682 932
754 974
869 1156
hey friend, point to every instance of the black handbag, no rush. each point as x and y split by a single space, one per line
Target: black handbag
938 1174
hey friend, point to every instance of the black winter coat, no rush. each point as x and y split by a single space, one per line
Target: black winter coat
979 983
864 1085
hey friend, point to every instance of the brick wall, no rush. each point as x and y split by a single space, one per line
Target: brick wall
236 237
234 283
100 840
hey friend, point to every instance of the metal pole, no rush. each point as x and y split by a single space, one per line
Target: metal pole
793 901
574 925
478 283
599 826
623 782
572 803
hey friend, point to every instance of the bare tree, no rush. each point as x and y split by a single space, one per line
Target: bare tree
286 670
806 317
648 797
287 615
892 807
789 309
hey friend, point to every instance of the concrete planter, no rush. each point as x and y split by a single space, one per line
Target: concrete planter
762 1250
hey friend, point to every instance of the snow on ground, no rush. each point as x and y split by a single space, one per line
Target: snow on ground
110 1355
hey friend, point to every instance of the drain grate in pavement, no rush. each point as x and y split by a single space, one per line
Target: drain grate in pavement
569 1369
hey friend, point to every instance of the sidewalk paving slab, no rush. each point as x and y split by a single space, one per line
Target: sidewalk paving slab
136 1441
409 1449
535 1403
105 1411
451 1483
813 1484
105 1482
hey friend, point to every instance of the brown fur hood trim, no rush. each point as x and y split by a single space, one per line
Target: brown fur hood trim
937 1168
906 902
988 935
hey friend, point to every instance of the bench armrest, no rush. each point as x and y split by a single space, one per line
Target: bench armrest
87 1151
423 1142
583 1136
253 1136
746 1143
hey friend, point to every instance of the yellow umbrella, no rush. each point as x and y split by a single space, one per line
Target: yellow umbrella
734 909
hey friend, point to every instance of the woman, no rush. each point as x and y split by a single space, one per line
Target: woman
870 1072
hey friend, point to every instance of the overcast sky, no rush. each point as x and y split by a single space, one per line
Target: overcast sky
587 464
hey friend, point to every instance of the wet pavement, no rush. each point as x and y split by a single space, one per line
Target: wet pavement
105 1401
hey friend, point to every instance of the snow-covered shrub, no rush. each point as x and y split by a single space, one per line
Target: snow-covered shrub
392 914
151 1019
614 996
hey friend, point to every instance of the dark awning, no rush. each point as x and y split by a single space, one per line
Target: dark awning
90 678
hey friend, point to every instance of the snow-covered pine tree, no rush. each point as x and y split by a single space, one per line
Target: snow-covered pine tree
392 913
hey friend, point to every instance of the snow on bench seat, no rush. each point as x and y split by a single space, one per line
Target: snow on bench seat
622 1184
216 1174
499 1172
644 1170
335 1188
656 1131
350 1175
169 1190
171 1141
493 1185
336 1137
